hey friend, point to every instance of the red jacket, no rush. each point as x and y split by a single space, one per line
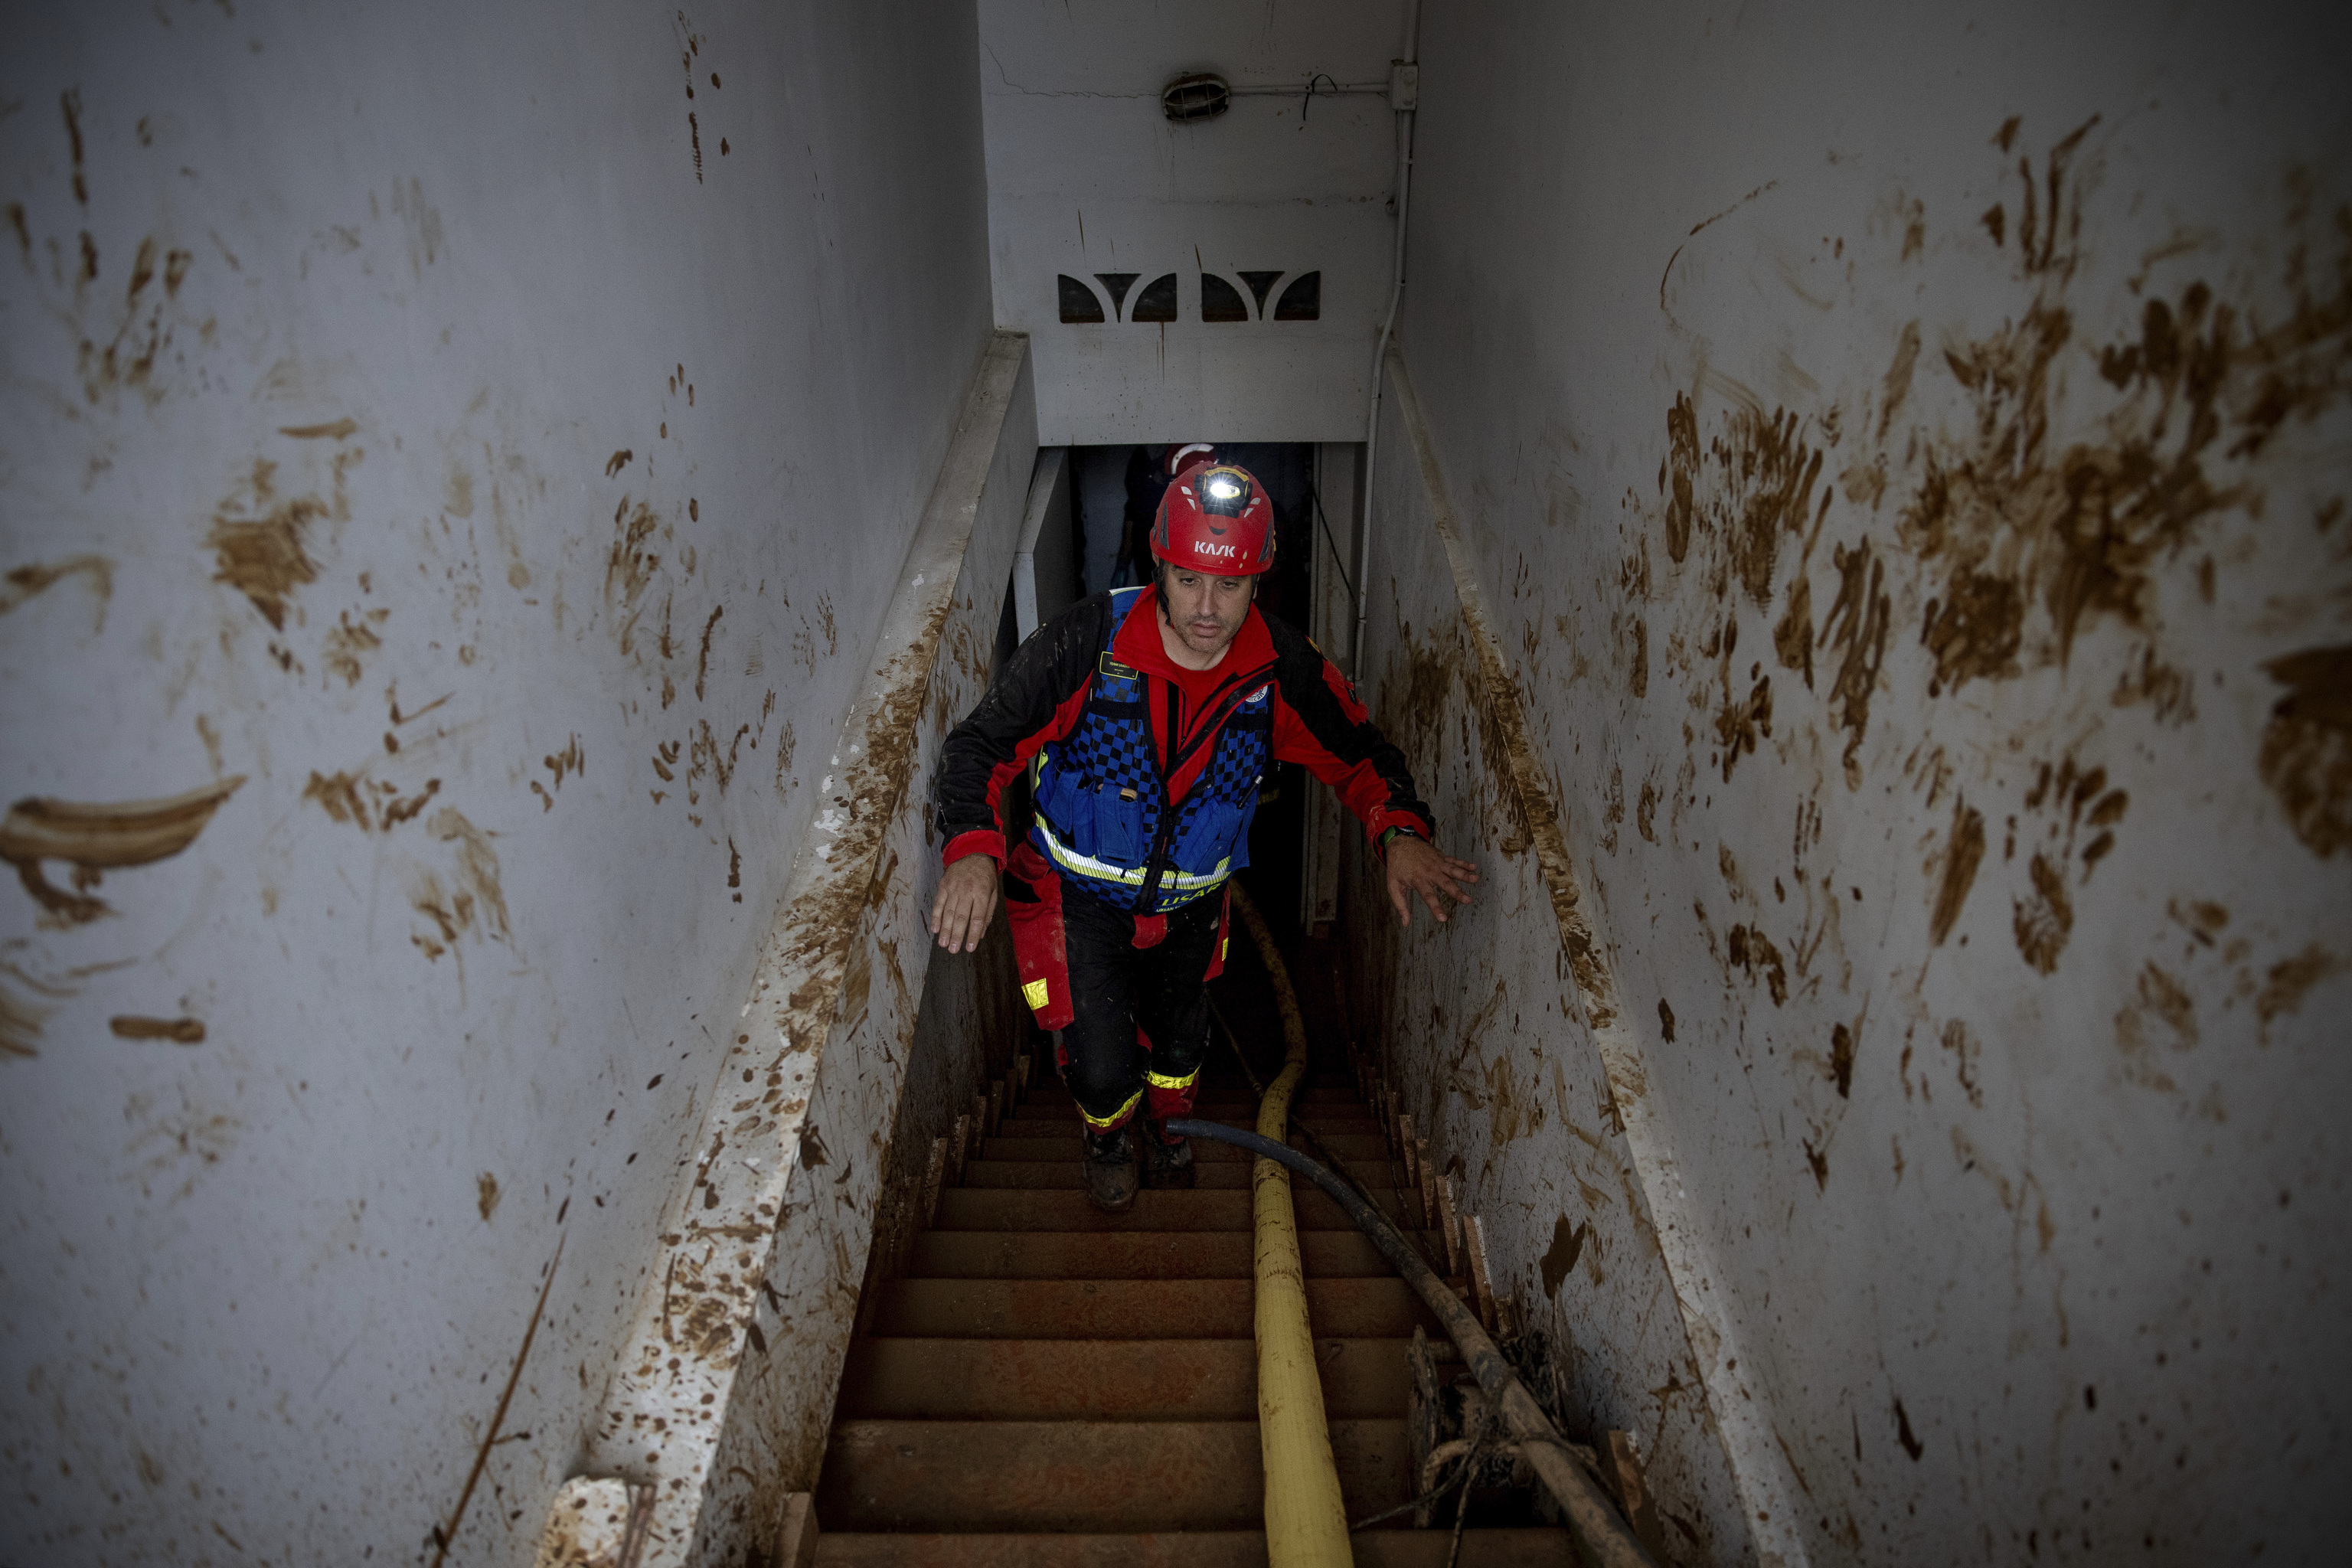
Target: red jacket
1037 697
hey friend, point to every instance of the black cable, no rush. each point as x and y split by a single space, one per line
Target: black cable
1470 1464
1337 560
1400 1509
1233 1044
1401 1255
1460 1479
1319 76
1412 1233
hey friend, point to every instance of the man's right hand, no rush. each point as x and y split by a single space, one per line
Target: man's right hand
965 904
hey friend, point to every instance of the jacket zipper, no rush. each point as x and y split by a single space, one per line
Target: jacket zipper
1211 726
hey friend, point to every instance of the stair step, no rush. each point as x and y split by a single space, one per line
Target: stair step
981 1208
1322 1089
1135 1255
1102 1380
1062 1144
1349 1119
1356 1309
1092 1475
1065 1172
1375 1548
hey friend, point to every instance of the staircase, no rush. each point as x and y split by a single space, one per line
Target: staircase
1050 1386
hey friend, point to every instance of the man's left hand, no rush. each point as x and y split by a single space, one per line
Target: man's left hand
1414 866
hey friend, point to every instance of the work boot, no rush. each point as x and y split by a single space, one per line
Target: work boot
1109 1165
1167 1164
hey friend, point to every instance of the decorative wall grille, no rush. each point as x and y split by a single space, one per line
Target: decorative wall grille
1112 297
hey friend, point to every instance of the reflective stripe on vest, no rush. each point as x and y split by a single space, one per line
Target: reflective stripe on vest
1095 870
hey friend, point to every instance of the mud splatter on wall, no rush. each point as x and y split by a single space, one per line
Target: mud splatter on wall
2306 756
1981 507
370 522
97 838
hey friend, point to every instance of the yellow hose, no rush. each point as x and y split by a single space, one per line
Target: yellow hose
1306 1519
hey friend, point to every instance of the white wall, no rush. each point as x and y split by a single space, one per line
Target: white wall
327 441
1085 176
719 1402
1996 1155
1498 1030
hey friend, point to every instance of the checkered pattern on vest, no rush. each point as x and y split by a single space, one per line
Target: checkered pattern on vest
1229 784
1112 746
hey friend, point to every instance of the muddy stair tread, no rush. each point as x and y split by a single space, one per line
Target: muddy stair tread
1012 1209
1136 1309
1181 1548
1103 1380
1135 1255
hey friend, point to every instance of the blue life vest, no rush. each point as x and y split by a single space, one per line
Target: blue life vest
1103 817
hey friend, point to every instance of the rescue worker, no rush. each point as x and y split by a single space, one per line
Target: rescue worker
1149 716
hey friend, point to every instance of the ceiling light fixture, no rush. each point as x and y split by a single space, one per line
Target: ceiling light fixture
1203 95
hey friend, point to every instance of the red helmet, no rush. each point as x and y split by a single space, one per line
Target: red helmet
1216 519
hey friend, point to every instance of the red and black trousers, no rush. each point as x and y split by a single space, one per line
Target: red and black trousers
1124 995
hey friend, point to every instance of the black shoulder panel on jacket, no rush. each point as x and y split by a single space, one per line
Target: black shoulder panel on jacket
1342 728
1053 662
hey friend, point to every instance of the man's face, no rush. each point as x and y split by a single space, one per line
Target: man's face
1203 612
